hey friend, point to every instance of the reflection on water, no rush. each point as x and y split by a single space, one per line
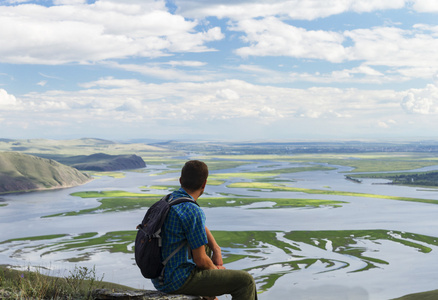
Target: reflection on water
365 248
268 255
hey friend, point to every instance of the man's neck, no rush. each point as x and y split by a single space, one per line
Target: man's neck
195 194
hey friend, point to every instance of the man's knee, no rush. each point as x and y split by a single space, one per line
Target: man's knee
245 286
245 278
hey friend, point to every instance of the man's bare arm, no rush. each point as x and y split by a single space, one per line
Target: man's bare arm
202 260
217 252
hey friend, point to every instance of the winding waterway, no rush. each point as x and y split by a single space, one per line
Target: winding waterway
308 270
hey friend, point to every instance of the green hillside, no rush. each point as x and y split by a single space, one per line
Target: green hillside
103 162
22 172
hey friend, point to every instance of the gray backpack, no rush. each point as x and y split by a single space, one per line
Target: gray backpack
148 239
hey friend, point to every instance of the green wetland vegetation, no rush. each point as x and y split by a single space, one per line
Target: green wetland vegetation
264 180
271 254
115 201
426 179
360 162
255 245
266 186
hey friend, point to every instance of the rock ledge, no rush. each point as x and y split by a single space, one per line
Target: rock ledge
105 294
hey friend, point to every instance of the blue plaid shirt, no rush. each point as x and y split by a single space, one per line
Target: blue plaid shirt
185 222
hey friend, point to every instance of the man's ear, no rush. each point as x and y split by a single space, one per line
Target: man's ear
204 184
180 180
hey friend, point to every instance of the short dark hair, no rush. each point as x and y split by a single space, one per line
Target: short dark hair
193 175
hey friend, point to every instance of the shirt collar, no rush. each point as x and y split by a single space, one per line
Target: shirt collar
180 193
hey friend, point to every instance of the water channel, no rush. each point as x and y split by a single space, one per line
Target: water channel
308 271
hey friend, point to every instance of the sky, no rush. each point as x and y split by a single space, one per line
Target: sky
220 70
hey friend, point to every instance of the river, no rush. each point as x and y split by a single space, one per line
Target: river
400 268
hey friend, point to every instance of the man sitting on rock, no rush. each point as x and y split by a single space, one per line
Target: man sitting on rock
200 275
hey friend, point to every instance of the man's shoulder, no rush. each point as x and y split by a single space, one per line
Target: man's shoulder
186 205
187 210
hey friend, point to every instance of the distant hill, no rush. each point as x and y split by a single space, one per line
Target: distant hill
22 172
104 162
85 146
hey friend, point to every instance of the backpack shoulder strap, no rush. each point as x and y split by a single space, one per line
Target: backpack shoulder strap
181 200
185 243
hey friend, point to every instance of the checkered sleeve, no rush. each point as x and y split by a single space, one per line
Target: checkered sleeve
193 223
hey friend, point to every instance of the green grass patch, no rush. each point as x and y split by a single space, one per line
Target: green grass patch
215 165
107 194
108 174
36 238
266 173
212 163
118 204
85 235
298 169
78 284
161 159
343 240
420 179
279 202
250 240
246 158
281 188
114 205
252 175
215 182
165 172
429 295
159 187
361 162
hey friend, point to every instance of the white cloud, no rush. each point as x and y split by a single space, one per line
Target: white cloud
293 9
382 124
186 63
421 101
227 94
395 47
406 53
216 107
106 98
386 124
48 76
269 112
94 32
16 1
425 6
74 31
360 74
435 78
271 37
367 70
133 106
159 71
68 2
7 101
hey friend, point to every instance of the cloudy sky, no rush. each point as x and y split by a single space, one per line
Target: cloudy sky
219 69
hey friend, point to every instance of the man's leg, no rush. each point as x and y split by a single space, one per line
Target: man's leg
239 284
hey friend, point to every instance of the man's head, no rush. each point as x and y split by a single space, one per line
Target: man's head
194 175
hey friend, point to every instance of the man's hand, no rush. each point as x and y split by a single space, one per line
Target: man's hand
201 259
217 257
217 253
